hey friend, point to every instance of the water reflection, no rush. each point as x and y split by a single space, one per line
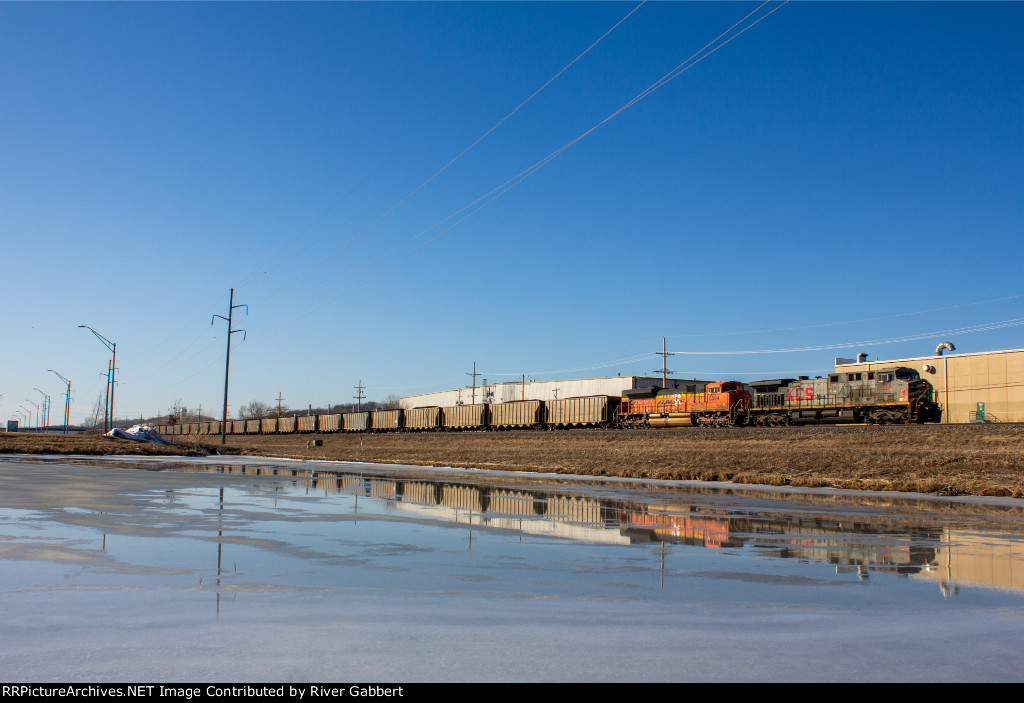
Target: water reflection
941 545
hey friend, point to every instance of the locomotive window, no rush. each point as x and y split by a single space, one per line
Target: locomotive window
834 378
885 377
855 377
907 374
871 376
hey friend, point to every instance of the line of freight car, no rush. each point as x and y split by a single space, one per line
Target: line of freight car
894 395
587 411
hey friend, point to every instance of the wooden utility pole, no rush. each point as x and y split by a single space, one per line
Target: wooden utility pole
227 362
664 358
474 375
359 396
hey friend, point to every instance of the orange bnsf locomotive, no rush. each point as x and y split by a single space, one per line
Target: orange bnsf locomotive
722 404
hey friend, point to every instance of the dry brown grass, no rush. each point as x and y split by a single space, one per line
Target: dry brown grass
945 460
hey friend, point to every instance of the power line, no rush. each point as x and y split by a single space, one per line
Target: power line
983 327
452 161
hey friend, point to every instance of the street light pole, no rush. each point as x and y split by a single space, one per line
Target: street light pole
67 401
108 414
46 408
37 411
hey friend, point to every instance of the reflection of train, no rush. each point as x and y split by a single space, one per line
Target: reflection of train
896 395
897 544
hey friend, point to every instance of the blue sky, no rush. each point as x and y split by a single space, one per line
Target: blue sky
838 176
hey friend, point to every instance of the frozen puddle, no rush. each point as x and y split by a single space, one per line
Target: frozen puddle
278 570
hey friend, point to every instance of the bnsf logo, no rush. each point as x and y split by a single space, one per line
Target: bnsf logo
799 394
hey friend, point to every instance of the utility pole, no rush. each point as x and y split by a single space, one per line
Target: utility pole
359 396
227 363
474 375
279 399
108 411
106 403
664 358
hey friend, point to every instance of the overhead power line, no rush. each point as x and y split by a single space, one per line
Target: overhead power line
448 165
983 327
488 198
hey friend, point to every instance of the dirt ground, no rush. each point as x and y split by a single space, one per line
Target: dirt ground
939 459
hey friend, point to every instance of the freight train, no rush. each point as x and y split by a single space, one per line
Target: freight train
897 395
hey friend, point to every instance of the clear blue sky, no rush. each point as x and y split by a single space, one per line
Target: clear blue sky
839 175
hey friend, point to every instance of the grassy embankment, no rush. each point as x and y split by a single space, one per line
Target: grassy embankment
941 459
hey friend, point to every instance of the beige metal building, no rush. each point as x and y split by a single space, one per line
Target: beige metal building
536 390
978 387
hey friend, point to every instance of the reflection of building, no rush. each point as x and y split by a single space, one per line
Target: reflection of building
962 381
989 559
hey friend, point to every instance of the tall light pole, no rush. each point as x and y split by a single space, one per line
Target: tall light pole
37 411
67 401
108 413
46 408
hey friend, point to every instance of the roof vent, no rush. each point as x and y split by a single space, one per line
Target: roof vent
861 358
948 346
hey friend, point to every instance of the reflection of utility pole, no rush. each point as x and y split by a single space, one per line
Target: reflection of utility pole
555 391
227 362
359 395
474 375
664 358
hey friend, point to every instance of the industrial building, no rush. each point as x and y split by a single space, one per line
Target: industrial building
976 387
538 390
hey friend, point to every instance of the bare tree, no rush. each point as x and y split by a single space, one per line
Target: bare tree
95 417
255 411
390 402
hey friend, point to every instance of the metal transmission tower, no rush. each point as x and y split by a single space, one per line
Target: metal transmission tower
227 362
359 396
664 359
108 410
